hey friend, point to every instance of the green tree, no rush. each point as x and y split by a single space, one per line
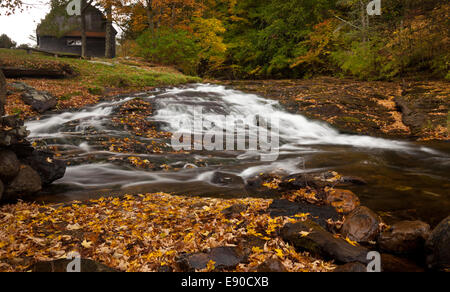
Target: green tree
6 42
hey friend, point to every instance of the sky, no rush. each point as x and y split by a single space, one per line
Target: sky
23 24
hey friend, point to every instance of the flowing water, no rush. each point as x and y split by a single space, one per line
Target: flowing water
405 180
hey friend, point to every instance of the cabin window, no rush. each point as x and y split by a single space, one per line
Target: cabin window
74 43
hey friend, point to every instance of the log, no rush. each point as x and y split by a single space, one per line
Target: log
60 72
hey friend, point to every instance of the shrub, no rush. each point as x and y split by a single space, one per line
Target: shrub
170 47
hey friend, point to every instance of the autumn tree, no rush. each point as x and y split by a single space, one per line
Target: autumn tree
8 7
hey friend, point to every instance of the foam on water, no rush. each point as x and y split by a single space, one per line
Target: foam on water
295 130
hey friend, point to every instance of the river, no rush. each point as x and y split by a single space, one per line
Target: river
406 180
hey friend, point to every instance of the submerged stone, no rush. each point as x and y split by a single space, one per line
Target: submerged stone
362 225
405 237
310 237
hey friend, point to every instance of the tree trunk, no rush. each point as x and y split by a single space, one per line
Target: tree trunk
364 23
2 93
109 33
83 29
150 16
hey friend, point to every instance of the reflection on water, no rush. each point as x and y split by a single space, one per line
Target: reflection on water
406 180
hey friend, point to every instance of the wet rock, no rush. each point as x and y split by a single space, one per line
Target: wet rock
247 243
254 184
234 210
22 150
318 214
393 264
296 182
310 237
40 101
60 266
437 247
351 180
12 131
27 182
362 225
406 237
48 168
344 201
412 117
225 258
271 266
9 165
225 179
351 268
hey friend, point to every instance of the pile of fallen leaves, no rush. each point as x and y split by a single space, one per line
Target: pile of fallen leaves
143 233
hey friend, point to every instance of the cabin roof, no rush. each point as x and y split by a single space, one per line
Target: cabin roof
58 24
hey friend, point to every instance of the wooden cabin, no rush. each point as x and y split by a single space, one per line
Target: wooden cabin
60 33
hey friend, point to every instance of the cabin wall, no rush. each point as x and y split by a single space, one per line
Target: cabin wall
95 46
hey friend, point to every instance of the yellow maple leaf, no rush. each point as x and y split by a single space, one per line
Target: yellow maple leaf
86 244
211 265
279 253
354 243
304 233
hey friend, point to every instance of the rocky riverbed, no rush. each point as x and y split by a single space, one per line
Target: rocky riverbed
122 146
416 110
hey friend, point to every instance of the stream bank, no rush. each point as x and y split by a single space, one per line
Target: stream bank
413 110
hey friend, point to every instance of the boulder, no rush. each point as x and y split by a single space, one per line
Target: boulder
27 182
343 200
40 101
225 179
9 165
351 268
318 214
406 237
362 225
225 258
48 168
389 264
60 266
271 266
12 131
437 247
310 237
254 184
393 264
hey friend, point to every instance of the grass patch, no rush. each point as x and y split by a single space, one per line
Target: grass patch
91 79
97 75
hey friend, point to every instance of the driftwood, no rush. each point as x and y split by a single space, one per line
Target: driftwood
2 93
